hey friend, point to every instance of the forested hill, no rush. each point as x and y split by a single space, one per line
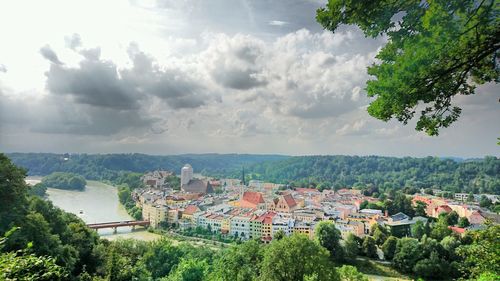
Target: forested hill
478 175
98 166
473 175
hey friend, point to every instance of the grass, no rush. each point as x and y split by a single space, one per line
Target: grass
378 271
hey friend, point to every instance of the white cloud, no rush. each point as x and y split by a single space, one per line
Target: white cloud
278 23
205 78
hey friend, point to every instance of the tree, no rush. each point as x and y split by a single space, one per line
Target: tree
13 190
239 262
483 254
351 246
294 258
380 235
161 257
189 270
369 247
329 236
440 229
389 247
452 218
350 273
430 267
408 253
279 235
420 209
470 197
463 222
418 230
22 266
485 202
434 51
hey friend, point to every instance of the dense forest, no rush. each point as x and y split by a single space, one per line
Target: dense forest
64 181
108 166
38 241
385 173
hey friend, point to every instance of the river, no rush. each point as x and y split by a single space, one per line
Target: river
97 203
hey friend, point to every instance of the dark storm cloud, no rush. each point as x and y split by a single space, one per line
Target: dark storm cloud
49 54
99 83
237 79
94 83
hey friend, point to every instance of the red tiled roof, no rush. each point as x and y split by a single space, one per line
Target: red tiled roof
191 209
252 197
445 208
457 229
289 200
268 217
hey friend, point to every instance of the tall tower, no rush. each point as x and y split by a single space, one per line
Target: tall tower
243 176
186 174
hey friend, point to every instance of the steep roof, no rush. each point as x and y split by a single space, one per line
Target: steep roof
289 200
251 199
197 186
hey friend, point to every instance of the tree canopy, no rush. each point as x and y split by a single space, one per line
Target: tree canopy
435 50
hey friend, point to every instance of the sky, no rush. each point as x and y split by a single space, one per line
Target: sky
195 76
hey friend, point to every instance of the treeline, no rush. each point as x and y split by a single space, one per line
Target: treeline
384 173
110 166
64 181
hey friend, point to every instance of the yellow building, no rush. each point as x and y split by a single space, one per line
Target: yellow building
304 228
226 225
155 214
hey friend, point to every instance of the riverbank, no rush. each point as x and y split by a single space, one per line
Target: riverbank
97 203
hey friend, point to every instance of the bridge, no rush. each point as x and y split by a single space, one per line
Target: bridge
115 224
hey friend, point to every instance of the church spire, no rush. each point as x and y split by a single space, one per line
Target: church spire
243 175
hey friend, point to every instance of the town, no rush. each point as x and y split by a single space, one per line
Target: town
262 210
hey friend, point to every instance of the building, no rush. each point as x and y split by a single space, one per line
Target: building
305 228
154 213
188 212
253 200
197 186
186 174
350 227
282 224
156 179
284 204
461 196
240 226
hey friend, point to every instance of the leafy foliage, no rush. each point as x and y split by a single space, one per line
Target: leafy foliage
27 267
381 174
435 50
329 237
112 166
295 258
64 181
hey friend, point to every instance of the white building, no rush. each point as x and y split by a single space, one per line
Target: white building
284 224
186 174
240 227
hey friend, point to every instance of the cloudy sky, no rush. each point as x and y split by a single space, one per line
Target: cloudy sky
193 76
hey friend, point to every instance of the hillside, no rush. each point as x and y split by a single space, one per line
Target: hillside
478 175
97 166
